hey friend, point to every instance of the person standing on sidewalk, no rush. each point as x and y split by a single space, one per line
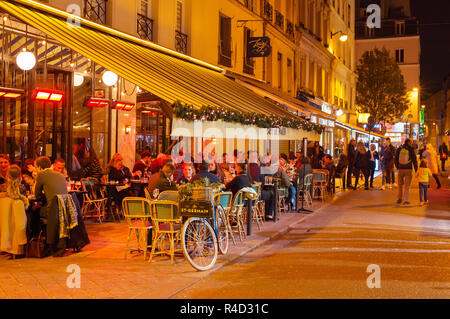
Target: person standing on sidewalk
362 165
351 153
373 157
388 162
443 152
432 158
405 159
423 175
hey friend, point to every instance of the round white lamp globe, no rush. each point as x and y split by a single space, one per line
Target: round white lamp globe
26 60
78 79
110 78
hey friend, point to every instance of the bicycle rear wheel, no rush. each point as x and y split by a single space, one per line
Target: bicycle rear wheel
222 230
199 242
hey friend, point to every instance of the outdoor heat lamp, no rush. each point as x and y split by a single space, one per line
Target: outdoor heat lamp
126 106
48 95
10 93
94 102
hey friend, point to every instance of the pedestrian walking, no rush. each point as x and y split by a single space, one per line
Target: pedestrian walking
372 163
362 160
388 154
443 153
405 160
351 154
432 158
423 176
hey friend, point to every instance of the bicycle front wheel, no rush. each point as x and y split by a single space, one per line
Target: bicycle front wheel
222 230
199 242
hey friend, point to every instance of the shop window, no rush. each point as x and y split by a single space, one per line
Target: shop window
225 41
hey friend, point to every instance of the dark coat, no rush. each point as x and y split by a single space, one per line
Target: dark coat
388 155
205 174
238 183
351 155
161 182
119 175
362 160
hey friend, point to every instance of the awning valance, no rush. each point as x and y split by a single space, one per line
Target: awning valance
167 74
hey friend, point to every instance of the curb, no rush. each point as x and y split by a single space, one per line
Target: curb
283 230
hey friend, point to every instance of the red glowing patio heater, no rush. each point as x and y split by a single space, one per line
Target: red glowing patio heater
125 106
48 95
10 93
95 102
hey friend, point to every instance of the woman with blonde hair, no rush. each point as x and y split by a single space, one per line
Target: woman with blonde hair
431 156
362 159
13 219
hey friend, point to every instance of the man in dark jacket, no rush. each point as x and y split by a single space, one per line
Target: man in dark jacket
205 173
387 157
405 160
351 154
142 166
163 180
240 181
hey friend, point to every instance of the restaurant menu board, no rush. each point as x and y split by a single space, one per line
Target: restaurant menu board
191 208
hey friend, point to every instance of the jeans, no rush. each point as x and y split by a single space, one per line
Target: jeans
291 196
423 189
365 171
404 179
389 172
371 172
443 164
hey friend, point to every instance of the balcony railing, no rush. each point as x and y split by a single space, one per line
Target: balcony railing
181 42
279 19
145 27
268 10
95 10
290 29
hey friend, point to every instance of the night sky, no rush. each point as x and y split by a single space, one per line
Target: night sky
434 19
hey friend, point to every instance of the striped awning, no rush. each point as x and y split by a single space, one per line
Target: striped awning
165 73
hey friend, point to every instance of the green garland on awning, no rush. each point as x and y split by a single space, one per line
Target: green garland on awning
209 113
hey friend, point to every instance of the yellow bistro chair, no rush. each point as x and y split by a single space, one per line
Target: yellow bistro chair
137 212
166 225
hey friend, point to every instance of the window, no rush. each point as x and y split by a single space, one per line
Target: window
370 32
248 62
144 8
249 4
95 10
280 70
144 23
400 56
399 27
179 15
225 41
349 15
289 75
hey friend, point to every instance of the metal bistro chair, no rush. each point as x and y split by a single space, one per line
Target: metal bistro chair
224 199
282 195
147 194
99 193
169 195
307 185
320 180
257 213
138 216
236 214
92 207
166 224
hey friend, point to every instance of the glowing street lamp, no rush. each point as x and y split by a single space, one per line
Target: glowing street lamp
342 38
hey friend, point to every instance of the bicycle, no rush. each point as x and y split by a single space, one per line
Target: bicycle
204 233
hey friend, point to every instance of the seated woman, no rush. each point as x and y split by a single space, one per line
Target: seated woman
303 170
93 168
121 174
13 219
240 181
29 175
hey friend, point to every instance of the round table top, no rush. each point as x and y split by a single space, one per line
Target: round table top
137 181
112 184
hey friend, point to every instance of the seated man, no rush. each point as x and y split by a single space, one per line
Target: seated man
143 165
240 181
49 184
205 173
163 180
60 166
329 166
303 170
282 174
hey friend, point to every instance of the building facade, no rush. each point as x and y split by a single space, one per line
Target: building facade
399 33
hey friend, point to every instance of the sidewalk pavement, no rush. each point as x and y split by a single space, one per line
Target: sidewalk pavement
106 274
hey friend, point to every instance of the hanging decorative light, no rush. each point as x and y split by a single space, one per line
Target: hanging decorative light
26 60
78 79
110 78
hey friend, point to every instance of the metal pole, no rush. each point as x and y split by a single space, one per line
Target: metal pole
249 216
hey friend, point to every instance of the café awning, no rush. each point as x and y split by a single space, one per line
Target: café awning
163 72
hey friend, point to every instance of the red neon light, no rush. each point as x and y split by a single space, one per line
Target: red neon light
11 93
56 97
128 107
123 106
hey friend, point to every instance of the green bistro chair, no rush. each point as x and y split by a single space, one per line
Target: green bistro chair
166 225
169 195
307 184
257 213
137 212
236 214
92 206
225 199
